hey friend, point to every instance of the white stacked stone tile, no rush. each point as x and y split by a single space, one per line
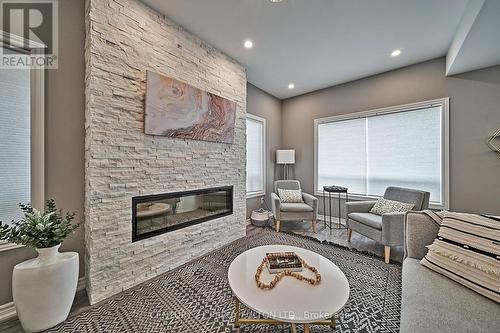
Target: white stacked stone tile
124 39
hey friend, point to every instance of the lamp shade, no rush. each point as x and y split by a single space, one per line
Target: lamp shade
285 156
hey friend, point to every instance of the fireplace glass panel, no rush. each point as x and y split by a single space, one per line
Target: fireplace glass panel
156 214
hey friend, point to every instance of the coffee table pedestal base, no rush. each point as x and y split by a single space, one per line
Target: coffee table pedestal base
238 320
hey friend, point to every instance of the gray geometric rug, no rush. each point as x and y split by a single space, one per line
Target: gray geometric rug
196 296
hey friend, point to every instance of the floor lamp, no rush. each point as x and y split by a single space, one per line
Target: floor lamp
285 157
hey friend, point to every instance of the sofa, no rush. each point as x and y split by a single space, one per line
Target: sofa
430 301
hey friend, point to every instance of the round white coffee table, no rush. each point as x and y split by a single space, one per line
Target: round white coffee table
290 301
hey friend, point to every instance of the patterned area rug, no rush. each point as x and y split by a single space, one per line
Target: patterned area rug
196 296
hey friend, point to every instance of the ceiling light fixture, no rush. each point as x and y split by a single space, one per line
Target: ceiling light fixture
395 53
248 44
291 86
276 0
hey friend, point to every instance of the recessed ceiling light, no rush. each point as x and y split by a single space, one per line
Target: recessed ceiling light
276 0
248 44
291 86
395 53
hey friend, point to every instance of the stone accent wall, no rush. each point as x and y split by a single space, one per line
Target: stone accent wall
124 39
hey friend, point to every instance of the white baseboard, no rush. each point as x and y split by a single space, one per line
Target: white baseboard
8 310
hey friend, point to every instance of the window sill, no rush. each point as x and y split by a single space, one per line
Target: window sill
6 246
353 197
359 197
255 195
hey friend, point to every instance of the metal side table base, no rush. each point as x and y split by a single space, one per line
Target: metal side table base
328 219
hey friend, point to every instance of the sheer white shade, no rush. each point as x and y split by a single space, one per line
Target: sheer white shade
342 156
255 155
15 142
285 156
368 153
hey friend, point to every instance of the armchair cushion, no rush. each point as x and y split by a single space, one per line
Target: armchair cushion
369 219
383 206
290 195
296 207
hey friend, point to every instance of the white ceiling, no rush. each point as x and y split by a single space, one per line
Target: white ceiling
319 43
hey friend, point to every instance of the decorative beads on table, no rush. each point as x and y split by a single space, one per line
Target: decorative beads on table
314 281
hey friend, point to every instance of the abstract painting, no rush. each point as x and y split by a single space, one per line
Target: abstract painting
176 109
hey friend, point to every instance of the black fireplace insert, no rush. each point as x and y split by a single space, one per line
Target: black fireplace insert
159 213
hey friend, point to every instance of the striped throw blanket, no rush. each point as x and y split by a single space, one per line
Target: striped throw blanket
467 250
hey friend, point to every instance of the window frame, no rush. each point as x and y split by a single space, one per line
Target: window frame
37 123
262 193
445 139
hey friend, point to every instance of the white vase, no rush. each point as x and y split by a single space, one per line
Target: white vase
44 288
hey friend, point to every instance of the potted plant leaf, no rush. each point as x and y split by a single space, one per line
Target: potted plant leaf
43 288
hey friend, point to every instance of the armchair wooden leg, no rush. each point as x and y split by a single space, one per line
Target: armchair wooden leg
387 253
313 222
277 225
349 234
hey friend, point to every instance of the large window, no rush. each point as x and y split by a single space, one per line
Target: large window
256 159
403 146
21 138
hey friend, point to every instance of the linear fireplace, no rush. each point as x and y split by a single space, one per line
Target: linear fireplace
159 213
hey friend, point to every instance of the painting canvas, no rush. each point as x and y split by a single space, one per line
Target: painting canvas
178 110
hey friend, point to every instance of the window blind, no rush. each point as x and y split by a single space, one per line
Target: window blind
15 147
342 158
368 154
255 156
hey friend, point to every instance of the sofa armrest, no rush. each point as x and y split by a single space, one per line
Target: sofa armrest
359 206
276 203
420 231
312 201
393 225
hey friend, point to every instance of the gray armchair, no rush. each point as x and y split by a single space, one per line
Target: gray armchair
387 229
307 210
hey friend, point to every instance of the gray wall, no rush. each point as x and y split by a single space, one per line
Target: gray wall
260 103
64 141
474 114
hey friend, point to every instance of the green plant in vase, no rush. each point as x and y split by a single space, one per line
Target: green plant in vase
39 229
43 288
